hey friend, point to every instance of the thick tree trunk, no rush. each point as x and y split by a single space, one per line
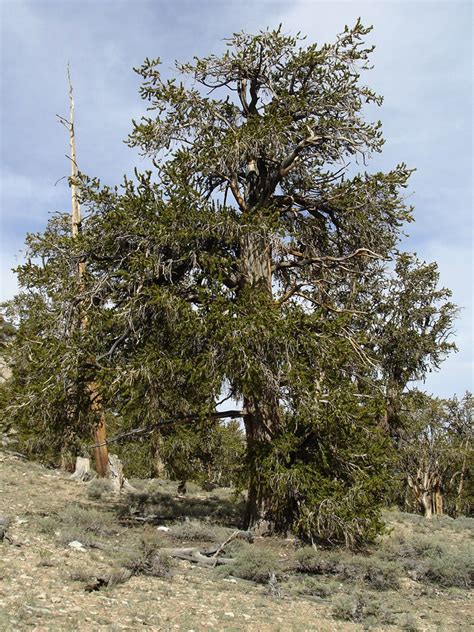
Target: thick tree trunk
99 432
262 414
256 263
438 502
261 419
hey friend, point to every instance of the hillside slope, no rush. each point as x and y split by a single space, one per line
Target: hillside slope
47 585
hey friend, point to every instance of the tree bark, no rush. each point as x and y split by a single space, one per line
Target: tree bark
438 502
83 469
99 432
99 429
425 500
256 263
262 415
261 420
458 502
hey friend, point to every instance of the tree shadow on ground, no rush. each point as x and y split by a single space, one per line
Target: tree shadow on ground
160 507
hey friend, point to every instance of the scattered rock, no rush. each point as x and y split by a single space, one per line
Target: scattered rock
78 546
4 524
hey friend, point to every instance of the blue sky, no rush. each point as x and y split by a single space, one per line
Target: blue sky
423 67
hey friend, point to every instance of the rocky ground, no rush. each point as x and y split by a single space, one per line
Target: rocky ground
45 584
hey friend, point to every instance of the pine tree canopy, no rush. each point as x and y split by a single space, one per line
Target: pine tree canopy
251 260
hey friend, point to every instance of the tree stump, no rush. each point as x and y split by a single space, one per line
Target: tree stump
118 481
83 470
116 473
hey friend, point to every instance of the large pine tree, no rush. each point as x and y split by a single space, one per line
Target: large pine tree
256 143
243 262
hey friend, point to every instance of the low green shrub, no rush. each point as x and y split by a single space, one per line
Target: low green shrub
379 574
98 488
362 608
429 559
258 565
308 560
409 623
194 530
144 556
312 587
452 569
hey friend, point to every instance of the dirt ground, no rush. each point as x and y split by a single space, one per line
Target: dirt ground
37 592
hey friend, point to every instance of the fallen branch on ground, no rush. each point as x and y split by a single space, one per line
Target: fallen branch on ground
192 554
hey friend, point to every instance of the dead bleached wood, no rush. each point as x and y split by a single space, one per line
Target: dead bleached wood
115 473
118 481
82 471
191 554
209 558
99 428
223 545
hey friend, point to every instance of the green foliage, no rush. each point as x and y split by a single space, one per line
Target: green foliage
427 559
411 332
415 321
210 453
98 488
250 262
363 608
257 565
328 471
378 574
435 453
191 530
145 557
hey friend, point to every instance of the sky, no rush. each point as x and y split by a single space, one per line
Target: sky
422 67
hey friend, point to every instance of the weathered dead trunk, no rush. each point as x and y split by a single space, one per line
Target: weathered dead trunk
83 469
423 491
115 470
458 502
425 499
99 429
